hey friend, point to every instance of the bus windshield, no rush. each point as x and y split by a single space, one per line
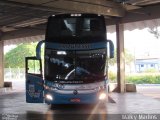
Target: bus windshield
79 66
75 28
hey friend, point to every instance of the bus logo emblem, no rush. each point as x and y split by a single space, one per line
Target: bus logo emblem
75 92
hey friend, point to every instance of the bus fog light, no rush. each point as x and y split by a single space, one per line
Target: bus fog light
102 96
49 97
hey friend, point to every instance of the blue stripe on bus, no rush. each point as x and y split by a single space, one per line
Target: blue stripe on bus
87 46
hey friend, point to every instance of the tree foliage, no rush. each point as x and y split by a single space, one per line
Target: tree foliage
16 57
155 31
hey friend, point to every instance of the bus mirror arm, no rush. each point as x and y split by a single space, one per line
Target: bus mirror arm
111 48
38 49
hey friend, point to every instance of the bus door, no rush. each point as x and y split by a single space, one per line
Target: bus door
34 80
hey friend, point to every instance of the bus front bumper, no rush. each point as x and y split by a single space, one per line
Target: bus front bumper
52 97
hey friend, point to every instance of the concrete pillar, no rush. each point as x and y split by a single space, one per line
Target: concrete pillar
1 64
120 57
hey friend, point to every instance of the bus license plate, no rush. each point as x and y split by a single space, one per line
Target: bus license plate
75 100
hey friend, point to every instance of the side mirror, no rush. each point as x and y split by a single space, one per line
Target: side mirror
38 49
111 48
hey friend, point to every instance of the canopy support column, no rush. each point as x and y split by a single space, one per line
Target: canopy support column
1 64
120 57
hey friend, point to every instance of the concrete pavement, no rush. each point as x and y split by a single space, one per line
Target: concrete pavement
13 105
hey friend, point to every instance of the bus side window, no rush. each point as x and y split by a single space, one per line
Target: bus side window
33 67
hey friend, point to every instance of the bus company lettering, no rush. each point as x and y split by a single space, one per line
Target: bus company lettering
76 46
32 92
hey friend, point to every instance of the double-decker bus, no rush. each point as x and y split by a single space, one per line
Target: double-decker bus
75 60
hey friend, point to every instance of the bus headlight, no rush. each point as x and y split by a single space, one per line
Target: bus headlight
49 97
102 96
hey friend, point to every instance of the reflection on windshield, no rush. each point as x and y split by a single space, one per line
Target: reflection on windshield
73 65
79 72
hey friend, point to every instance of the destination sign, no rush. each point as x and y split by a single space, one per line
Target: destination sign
76 46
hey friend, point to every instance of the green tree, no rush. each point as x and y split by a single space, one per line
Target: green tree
155 31
16 57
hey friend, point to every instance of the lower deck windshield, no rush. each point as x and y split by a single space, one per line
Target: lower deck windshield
75 66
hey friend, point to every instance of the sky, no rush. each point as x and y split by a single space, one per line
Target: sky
7 48
139 42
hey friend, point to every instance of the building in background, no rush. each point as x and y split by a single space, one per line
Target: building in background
147 64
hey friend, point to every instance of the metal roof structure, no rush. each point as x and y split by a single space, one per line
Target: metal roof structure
22 18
